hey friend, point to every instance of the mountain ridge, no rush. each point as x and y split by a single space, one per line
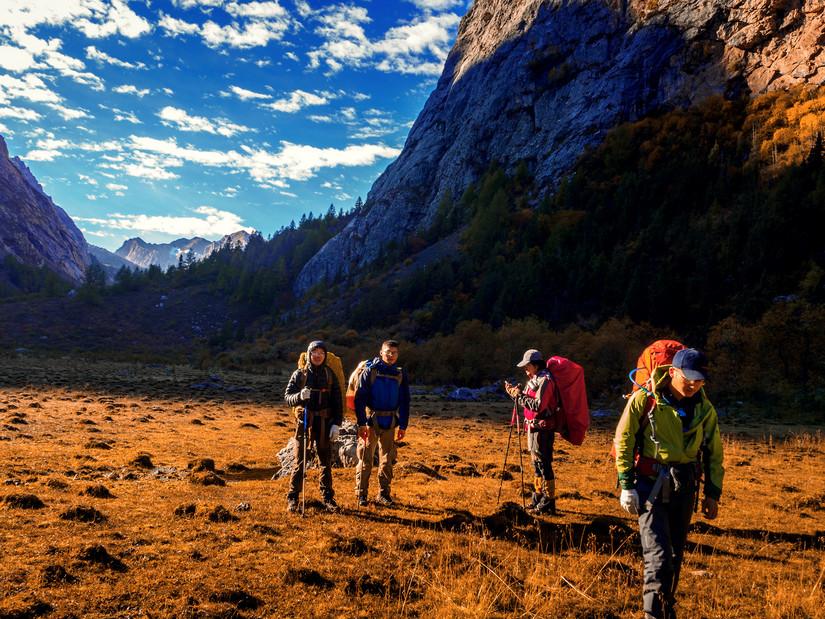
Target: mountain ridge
540 81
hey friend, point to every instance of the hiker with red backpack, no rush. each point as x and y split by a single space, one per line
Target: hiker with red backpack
382 410
554 400
666 442
315 394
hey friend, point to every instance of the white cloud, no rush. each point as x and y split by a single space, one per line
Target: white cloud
29 86
251 34
87 179
19 113
288 194
92 53
295 162
177 27
256 9
254 24
189 4
292 56
124 116
5 130
246 95
129 89
68 113
183 121
206 221
116 187
298 100
418 48
437 5
114 17
15 59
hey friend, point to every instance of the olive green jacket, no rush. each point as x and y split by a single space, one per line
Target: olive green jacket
674 445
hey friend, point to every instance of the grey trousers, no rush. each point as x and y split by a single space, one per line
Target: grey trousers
663 530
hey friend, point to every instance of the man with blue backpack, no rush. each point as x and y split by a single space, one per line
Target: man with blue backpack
382 410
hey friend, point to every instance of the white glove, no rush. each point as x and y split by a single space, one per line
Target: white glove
306 392
334 431
630 501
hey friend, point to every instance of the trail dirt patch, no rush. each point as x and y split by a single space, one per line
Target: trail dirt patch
98 492
23 501
207 478
221 514
238 598
201 464
56 575
349 546
143 461
294 576
98 555
83 513
185 511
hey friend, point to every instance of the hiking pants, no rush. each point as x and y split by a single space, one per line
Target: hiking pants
319 433
540 446
663 530
385 441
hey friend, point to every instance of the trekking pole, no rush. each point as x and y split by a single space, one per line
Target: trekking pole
506 451
520 459
304 465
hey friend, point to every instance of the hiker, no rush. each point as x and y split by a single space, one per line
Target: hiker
314 393
382 410
671 431
538 399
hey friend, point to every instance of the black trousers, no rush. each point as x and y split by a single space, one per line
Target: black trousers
663 530
319 434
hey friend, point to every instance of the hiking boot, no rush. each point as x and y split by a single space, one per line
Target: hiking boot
330 505
534 501
292 505
362 501
546 506
385 500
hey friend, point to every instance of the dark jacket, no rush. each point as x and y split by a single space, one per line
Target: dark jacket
377 384
326 394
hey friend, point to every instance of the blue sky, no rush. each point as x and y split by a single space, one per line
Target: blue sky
171 118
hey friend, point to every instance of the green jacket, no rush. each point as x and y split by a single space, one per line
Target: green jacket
675 446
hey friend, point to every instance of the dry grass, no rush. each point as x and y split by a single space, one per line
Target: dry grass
444 551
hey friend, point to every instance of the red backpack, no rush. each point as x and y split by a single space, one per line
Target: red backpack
660 352
571 396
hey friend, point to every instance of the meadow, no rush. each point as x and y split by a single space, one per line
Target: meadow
146 491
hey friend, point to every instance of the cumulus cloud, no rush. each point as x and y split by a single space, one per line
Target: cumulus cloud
246 95
418 48
19 113
129 89
437 5
182 120
254 24
206 221
92 53
297 100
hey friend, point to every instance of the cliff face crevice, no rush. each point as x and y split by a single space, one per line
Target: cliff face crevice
33 228
541 80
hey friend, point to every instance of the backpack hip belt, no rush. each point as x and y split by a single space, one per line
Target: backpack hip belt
373 415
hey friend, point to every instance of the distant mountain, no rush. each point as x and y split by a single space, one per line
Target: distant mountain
33 228
111 262
142 254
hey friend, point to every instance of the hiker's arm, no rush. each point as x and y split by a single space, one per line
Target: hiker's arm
362 395
292 393
712 456
533 403
625 440
403 401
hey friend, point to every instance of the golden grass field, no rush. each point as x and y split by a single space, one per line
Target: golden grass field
71 431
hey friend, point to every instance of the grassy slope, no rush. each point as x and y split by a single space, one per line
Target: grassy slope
433 555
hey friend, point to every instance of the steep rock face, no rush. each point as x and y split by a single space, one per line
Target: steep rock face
32 227
540 80
143 254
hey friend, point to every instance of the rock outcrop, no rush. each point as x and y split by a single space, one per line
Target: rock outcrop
539 81
143 254
33 228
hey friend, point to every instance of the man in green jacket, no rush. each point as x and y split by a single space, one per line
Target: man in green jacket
667 441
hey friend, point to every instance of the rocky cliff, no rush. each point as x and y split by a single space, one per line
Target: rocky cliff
33 228
139 252
541 80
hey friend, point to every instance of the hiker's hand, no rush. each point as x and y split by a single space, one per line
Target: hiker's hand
710 508
334 431
512 390
630 501
306 393
364 432
400 435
